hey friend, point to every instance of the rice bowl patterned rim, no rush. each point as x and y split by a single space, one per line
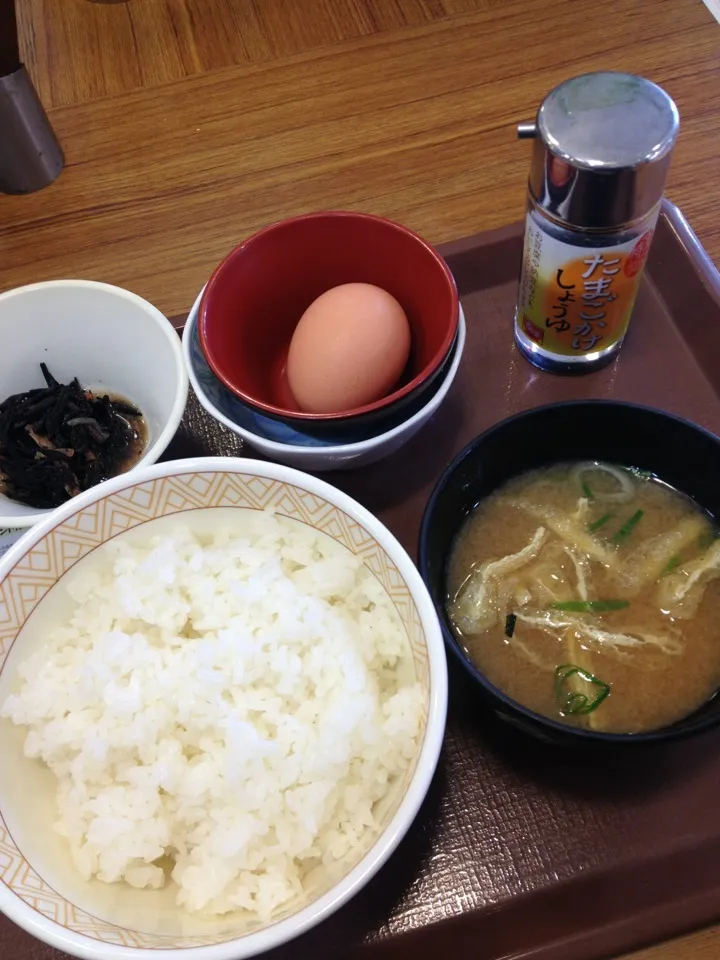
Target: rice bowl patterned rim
46 553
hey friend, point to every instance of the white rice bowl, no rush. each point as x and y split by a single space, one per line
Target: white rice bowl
242 710
232 701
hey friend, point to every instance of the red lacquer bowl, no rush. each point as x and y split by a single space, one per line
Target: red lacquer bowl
255 298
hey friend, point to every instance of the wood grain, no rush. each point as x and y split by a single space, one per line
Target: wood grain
703 945
190 123
145 42
416 123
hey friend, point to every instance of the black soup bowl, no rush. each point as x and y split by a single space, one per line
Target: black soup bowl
679 452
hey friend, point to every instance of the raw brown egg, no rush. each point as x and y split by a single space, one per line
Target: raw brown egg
349 349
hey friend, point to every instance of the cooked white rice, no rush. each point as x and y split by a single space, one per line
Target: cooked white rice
232 703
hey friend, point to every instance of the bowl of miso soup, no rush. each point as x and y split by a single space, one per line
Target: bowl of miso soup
573 556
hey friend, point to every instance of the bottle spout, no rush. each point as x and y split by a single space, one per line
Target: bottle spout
527 130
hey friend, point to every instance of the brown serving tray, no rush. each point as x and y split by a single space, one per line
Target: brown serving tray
523 850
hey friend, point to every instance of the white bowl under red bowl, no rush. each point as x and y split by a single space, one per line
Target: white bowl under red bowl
290 445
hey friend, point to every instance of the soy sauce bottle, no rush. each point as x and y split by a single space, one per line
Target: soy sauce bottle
600 160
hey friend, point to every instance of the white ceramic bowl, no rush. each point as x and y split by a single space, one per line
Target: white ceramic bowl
313 455
107 337
39 888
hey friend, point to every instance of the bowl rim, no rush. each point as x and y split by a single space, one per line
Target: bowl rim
274 447
158 446
511 706
385 844
215 363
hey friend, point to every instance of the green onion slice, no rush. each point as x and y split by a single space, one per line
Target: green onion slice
592 527
590 606
576 702
627 528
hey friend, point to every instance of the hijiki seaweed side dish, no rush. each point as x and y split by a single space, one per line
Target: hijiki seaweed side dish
61 439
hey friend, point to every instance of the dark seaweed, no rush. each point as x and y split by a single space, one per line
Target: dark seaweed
58 440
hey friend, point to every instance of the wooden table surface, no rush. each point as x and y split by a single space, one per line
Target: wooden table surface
187 124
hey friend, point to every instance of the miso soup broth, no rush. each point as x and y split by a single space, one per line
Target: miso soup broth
590 593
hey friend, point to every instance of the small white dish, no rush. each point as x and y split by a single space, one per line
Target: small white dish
110 339
301 451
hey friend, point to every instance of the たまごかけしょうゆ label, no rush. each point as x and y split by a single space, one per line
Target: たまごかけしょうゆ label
576 301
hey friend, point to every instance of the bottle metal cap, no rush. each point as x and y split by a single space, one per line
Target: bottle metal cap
603 143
